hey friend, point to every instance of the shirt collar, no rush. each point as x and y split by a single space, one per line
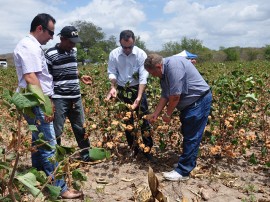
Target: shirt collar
132 52
63 51
34 39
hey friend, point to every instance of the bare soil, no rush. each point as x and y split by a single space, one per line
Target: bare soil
215 179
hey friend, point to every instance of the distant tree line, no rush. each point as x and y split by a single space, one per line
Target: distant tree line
96 47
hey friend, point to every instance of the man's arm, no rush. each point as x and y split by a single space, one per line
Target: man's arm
113 91
139 96
161 104
173 101
31 78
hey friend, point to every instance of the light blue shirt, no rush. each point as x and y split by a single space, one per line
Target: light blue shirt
180 77
127 68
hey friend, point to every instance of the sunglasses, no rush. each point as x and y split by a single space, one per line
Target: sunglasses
51 33
127 47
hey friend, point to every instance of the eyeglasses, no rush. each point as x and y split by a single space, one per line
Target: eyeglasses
51 33
127 47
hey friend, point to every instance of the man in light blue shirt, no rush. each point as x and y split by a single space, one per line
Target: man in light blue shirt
128 76
183 88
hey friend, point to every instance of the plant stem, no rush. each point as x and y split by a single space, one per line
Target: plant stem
10 183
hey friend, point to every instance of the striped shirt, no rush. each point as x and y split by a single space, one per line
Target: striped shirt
63 67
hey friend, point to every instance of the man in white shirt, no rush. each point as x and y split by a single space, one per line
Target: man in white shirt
32 69
128 77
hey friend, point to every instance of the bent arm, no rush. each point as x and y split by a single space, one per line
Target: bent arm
173 101
31 78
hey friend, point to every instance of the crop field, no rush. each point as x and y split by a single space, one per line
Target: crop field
238 126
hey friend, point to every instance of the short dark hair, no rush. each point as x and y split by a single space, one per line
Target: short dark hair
126 34
41 19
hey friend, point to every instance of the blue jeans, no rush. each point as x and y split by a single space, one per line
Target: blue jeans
73 109
194 119
40 158
141 111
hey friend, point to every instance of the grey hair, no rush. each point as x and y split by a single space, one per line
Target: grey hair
152 60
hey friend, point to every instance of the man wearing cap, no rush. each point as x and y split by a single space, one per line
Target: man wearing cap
63 66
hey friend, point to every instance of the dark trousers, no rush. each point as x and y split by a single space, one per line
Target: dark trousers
128 95
194 119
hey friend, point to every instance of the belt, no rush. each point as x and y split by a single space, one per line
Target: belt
205 93
202 96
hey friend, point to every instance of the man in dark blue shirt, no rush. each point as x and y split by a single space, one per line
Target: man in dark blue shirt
183 88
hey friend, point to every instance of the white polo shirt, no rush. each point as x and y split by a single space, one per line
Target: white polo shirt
29 57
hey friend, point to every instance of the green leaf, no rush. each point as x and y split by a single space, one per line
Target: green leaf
30 182
2 151
78 175
37 92
47 107
22 101
54 191
68 150
59 153
7 95
40 175
96 153
253 159
251 96
76 185
33 128
4 165
129 95
44 145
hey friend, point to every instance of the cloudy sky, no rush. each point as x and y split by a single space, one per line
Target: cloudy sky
216 23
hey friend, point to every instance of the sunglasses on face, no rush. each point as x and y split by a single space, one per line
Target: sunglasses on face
127 47
51 33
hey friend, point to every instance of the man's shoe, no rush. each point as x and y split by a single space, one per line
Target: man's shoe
174 176
71 194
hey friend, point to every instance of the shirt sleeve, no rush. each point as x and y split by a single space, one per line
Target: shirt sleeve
143 74
30 59
112 67
175 77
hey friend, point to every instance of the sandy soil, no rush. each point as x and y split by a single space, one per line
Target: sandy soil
213 180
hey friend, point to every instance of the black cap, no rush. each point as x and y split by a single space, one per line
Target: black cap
71 33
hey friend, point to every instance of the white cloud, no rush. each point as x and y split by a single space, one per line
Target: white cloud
216 23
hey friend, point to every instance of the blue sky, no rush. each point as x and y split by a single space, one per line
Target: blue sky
216 23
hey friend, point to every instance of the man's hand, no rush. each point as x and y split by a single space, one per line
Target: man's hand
87 80
49 119
151 117
112 93
135 104
166 118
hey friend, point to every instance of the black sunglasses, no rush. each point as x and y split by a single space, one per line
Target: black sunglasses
51 33
127 47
